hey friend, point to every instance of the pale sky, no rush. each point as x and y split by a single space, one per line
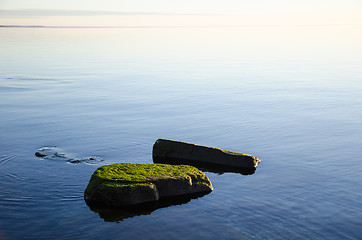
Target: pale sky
179 12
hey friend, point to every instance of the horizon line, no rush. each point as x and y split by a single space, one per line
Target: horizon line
183 26
29 12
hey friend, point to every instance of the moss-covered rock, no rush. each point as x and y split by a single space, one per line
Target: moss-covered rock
129 183
169 151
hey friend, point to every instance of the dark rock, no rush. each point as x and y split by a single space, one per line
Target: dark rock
40 154
75 160
61 155
174 152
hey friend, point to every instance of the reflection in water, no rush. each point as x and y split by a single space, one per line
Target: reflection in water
208 167
112 214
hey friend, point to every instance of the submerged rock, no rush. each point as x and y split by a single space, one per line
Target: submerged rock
40 154
174 152
55 153
127 184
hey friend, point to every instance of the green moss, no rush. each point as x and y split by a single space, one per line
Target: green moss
134 175
128 172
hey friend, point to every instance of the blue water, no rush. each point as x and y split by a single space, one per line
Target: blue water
292 96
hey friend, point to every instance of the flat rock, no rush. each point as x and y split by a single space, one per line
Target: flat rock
169 151
126 184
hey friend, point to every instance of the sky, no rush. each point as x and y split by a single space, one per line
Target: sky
179 12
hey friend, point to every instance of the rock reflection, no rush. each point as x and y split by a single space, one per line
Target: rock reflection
208 167
112 214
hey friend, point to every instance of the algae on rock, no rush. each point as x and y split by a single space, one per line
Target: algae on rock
126 184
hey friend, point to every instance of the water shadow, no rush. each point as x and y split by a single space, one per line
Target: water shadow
112 214
203 166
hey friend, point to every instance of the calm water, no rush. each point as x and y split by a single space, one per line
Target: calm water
291 96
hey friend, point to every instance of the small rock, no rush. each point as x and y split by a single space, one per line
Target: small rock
75 160
40 154
62 155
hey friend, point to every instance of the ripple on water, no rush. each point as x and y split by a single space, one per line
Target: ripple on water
7 175
4 159
22 201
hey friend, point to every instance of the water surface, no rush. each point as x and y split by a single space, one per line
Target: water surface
291 96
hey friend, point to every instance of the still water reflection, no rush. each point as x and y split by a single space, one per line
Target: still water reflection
119 214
